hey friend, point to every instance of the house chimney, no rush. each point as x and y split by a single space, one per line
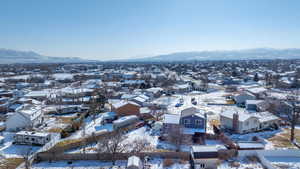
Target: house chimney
235 122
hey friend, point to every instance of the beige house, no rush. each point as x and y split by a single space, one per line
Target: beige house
245 122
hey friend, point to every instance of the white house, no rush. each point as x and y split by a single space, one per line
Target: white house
29 116
245 122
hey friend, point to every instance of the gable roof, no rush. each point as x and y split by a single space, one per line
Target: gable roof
192 111
171 118
123 103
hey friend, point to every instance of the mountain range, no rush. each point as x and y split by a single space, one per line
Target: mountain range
245 54
8 56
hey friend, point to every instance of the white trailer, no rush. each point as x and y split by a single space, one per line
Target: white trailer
32 138
124 121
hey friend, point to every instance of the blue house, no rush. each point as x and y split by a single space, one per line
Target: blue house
192 122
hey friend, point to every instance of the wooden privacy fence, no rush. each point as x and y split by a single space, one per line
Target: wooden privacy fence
61 147
46 156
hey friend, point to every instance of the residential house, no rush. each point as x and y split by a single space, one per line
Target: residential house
181 88
240 99
253 105
141 100
124 108
28 117
154 92
191 121
258 92
245 122
203 157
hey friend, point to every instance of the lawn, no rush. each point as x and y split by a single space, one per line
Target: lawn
282 140
10 163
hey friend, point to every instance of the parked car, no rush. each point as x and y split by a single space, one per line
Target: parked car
178 105
140 124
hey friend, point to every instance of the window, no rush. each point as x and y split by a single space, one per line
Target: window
198 122
186 121
247 123
202 165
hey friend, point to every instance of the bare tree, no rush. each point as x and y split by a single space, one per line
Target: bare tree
139 145
26 156
83 134
113 144
294 115
176 137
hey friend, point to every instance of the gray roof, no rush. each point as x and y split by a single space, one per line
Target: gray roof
205 148
253 101
172 118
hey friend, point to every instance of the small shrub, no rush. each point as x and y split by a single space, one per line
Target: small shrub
168 162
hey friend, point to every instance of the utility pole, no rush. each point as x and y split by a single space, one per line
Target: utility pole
295 114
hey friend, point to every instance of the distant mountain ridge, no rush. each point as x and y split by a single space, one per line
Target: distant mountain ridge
9 56
245 54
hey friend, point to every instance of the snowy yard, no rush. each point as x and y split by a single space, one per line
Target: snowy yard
264 135
241 163
91 126
9 150
284 162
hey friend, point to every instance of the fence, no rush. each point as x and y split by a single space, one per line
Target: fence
55 137
60 148
47 156
262 154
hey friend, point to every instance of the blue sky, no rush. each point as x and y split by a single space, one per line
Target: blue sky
107 29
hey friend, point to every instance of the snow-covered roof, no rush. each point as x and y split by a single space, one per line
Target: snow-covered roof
134 161
253 101
154 89
41 93
205 148
190 111
123 103
144 110
248 145
32 133
125 118
140 99
171 118
243 115
257 90
265 116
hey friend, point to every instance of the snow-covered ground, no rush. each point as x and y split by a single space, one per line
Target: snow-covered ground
202 100
264 135
142 133
9 150
241 163
91 126
285 162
